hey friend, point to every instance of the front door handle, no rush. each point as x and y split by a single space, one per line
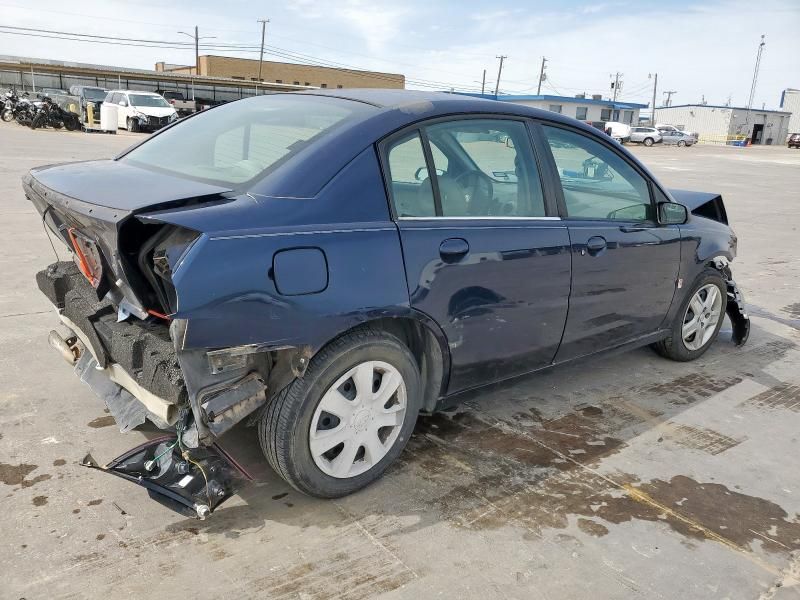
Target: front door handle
632 228
453 249
596 244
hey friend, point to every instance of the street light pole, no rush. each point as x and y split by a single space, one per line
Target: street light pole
196 37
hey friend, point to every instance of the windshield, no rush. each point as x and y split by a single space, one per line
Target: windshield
94 93
145 100
237 142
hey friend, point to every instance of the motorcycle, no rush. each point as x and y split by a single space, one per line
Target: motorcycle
10 101
25 110
52 115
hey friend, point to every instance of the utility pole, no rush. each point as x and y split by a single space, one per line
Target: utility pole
615 85
499 71
483 83
668 94
263 34
753 86
653 111
541 77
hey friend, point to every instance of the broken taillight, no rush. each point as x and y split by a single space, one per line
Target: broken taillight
87 256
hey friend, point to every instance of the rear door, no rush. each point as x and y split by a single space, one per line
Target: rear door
624 265
486 255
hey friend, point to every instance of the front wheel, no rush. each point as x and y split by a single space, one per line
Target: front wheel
698 321
681 143
133 125
648 142
8 115
339 427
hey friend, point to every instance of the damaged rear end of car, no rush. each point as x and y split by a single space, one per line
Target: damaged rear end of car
121 332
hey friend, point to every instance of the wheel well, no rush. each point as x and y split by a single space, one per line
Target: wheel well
430 354
426 349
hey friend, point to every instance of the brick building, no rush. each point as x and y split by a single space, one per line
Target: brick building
246 69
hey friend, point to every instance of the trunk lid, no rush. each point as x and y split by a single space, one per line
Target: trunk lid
95 201
119 185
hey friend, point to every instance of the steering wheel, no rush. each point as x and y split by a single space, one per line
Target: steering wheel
478 192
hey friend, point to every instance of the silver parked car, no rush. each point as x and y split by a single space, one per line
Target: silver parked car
678 138
645 135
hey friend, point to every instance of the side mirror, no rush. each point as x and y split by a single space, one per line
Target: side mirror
421 173
672 213
123 103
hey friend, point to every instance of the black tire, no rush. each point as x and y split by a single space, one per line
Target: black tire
673 346
284 427
133 125
8 115
648 141
681 143
72 123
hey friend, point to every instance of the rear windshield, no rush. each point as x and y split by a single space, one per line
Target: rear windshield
237 142
94 93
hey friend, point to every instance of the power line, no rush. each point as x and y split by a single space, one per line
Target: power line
219 47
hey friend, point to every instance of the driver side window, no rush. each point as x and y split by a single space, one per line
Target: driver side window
597 182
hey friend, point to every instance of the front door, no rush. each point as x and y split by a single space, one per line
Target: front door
624 265
485 257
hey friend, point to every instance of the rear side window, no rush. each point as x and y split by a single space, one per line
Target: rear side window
412 192
481 168
237 142
597 182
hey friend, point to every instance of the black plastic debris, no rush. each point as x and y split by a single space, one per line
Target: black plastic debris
191 481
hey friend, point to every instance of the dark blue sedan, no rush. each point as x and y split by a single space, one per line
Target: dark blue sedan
328 265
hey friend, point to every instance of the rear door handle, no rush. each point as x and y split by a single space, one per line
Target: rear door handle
596 244
453 249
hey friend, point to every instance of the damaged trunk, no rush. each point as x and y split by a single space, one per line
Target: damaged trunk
117 302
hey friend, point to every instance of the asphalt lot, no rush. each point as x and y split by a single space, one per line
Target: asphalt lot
627 477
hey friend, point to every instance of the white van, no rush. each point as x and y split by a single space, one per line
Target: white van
141 111
619 131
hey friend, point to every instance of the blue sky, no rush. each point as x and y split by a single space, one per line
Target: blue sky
698 49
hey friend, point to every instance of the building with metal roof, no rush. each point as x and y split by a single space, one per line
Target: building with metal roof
581 107
726 124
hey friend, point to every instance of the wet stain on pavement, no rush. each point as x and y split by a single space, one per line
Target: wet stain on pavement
40 500
59 462
793 310
542 477
100 537
17 474
691 388
700 438
95 502
782 396
592 527
99 422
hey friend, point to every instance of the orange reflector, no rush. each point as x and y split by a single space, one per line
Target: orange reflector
88 258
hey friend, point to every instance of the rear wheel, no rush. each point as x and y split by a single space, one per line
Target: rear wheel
648 142
38 121
337 428
698 321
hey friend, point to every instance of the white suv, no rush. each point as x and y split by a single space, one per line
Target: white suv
141 111
645 135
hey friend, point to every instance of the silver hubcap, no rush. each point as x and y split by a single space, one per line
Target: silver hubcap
702 316
358 419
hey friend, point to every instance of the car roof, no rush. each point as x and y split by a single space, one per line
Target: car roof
133 92
386 112
424 104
